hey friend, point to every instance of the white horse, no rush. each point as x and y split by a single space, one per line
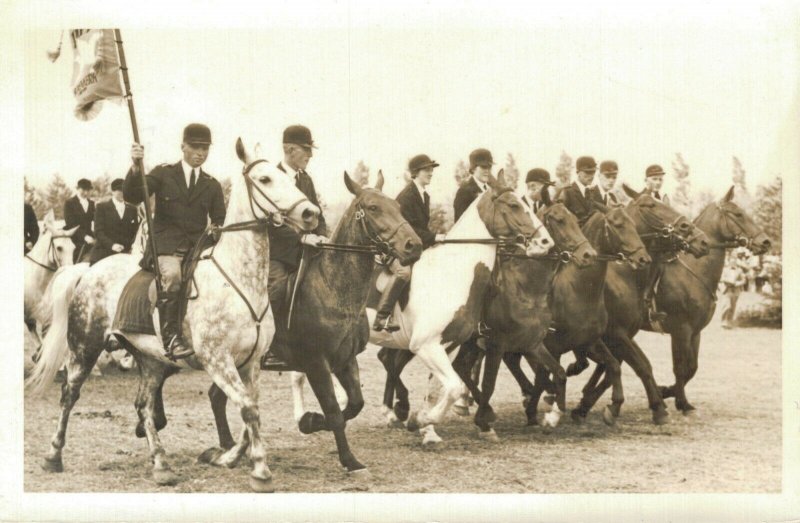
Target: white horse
447 290
229 324
53 250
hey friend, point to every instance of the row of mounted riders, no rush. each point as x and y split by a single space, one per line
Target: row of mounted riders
500 266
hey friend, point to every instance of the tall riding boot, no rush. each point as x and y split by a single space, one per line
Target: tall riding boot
270 360
651 314
383 318
170 320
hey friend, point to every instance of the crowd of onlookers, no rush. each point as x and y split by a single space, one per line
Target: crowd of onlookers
745 271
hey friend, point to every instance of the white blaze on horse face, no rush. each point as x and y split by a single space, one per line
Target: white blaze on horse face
541 242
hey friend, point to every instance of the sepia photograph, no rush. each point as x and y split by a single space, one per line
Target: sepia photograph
375 251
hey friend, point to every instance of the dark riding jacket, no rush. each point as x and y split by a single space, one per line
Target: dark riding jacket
180 216
31 226
75 215
109 229
577 203
465 195
417 212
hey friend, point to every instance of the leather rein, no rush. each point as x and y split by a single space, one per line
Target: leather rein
50 257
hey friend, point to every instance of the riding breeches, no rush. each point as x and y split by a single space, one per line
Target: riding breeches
170 268
401 271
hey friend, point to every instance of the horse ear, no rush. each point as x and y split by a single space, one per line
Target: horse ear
630 192
257 150
492 182
545 194
728 195
240 151
501 178
66 233
352 186
379 181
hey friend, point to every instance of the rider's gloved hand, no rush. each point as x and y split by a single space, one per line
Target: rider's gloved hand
439 237
137 153
312 239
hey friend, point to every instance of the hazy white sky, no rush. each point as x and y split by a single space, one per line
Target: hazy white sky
632 84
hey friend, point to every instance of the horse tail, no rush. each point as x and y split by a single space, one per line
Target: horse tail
43 311
54 345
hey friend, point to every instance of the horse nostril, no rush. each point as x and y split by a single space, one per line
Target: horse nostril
545 241
309 214
587 255
409 245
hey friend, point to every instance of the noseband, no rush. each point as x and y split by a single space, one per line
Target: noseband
277 217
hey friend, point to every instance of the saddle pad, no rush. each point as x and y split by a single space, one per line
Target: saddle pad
135 307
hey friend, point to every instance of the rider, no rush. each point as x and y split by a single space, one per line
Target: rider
535 180
186 198
284 243
480 167
606 181
79 211
653 180
415 206
115 225
577 196
31 227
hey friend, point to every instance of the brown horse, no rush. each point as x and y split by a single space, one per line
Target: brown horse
329 326
687 290
624 295
579 310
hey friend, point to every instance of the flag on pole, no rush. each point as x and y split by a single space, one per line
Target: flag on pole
95 70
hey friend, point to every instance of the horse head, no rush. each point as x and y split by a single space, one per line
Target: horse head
54 247
621 236
272 193
654 217
728 222
563 227
505 216
381 222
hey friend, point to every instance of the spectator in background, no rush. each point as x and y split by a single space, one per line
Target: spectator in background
733 281
115 225
31 228
79 212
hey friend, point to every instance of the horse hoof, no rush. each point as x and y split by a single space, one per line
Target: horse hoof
488 435
577 416
551 419
165 477
360 475
461 410
608 416
413 423
311 422
401 411
210 455
394 424
52 465
691 412
261 485
615 408
430 439
660 416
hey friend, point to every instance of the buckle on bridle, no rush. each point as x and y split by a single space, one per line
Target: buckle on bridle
359 214
564 257
621 258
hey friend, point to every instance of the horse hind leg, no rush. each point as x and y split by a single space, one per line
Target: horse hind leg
685 348
79 365
219 402
485 416
611 372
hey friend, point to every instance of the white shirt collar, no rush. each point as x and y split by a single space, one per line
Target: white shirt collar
187 172
84 202
420 188
120 207
482 185
289 170
582 187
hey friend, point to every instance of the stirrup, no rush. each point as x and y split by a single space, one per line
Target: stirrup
385 324
271 362
184 352
483 329
656 316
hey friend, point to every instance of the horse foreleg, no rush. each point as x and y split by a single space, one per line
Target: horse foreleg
513 361
78 369
152 374
634 356
219 402
298 380
319 376
435 358
485 416
545 358
684 365
401 406
240 385
464 364
609 367
351 381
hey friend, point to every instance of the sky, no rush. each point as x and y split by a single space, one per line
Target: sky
381 85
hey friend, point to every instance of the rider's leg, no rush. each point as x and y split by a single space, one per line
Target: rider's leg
169 304
278 278
400 277
651 315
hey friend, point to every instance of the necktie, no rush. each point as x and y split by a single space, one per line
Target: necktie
426 199
605 199
192 180
658 196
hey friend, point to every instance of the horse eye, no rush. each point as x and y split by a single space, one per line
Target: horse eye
737 214
59 249
373 208
264 179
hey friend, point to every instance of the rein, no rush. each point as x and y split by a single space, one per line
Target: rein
50 257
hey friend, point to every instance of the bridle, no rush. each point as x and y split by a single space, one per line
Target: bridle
620 257
731 240
50 257
278 217
672 241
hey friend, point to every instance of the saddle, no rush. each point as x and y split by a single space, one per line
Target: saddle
138 299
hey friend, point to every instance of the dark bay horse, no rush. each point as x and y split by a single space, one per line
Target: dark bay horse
579 310
687 290
329 326
624 294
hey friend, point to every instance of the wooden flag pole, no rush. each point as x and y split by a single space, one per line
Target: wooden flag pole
148 216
